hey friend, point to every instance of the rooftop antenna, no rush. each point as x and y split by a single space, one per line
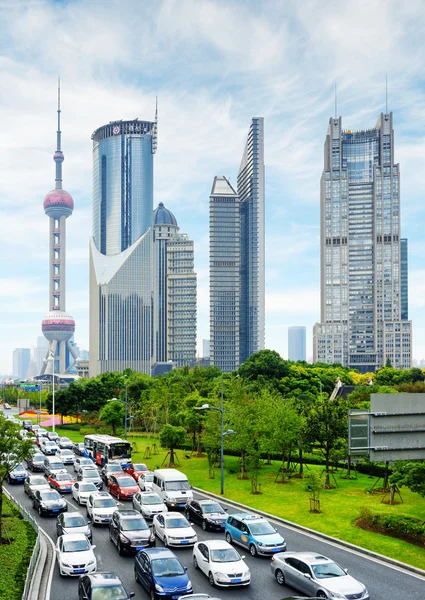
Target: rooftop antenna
386 94
336 103
59 116
58 156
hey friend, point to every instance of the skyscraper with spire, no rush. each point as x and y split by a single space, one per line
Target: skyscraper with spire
58 326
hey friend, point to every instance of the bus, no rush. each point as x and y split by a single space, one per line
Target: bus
103 448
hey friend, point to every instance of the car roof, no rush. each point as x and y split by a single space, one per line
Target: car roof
247 517
104 578
159 553
99 494
217 544
74 513
201 502
129 513
173 513
309 557
73 537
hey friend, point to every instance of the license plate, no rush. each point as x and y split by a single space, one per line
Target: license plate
78 570
106 520
182 505
55 510
184 542
139 548
276 550
238 580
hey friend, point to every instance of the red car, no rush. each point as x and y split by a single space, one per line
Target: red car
136 469
62 482
122 486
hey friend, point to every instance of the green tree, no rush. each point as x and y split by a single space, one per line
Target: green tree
172 437
13 450
266 367
211 439
287 430
113 414
410 474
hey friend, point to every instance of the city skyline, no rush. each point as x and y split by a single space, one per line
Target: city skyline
279 68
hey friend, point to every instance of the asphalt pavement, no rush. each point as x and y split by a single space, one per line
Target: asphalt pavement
384 582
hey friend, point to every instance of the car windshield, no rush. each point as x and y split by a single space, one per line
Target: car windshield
85 461
115 592
134 525
224 555
19 467
167 567
38 481
325 570
152 499
74 521
65 439
90 474
174 486
126 482
76 546
49 443
50 495
56 466
148 478
63 477
213 507
104 503
261 528
114 468
87 487
140 467
66 453
38 458
176 523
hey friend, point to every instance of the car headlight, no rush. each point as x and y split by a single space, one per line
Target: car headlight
124 539
247 574
158 587
336 595
222 576
189 584
91 562
260 543
152 537
66 565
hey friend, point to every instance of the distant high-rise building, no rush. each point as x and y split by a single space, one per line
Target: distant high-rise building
404 279
296 343
121 277
361 289
206 351
21 362
40 352
237 256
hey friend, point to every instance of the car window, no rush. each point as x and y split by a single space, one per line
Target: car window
177 523
74 521
167 567
293 562
135 524
116 592
224 555
151 499
326 570
303 568
243 528
261 528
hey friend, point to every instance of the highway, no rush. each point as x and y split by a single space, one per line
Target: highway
383 582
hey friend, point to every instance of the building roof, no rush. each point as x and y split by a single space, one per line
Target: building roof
222 187
163 216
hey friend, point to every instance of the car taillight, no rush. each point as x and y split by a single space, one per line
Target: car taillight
272 558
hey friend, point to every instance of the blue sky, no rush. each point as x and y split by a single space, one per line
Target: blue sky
214 65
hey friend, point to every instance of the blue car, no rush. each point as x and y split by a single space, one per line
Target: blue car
254 533
161 573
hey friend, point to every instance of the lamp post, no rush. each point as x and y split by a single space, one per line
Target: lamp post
52 360
125 402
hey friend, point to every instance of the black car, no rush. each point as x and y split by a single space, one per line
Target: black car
79 448
92 585
48 502
208 513
35 462
73 522
129 531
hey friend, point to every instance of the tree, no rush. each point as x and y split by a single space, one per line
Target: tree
113 414
265 366
13 450
388 362
287 430
172 437
410 474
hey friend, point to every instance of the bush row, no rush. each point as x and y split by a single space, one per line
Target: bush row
401 526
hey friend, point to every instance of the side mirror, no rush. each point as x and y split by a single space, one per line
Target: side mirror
185 569
192 524
226 509
89 521
85 597
242 557
205 559
345 571
132 594
307 575
93 547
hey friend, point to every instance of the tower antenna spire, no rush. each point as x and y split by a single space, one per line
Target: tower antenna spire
155 128
386 94
58 156
59 117
336 103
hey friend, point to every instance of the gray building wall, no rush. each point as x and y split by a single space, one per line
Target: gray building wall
21 362
404 278
296 343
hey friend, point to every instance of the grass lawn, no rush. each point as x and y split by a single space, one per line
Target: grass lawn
340 507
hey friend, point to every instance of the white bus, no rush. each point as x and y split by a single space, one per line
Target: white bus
103 448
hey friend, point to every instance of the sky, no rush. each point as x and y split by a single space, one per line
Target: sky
214 64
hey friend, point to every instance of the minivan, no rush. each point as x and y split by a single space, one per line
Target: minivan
53 465
173 487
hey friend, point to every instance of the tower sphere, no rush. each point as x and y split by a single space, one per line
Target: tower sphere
58 325
58 203
58 156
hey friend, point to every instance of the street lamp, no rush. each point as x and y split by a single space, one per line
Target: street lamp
125 402
321 388
52 360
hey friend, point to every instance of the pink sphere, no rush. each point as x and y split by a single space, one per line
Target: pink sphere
58 325
58 203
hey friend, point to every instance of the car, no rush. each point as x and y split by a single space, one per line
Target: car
42 431
48 447
91 467
33 483
108 469
201 597
53 465
130 533
23 434
81 491
149 504
65 443
174 529
81 461
220 562
39 437
66 456
136 469
7 406
62 482
35 462
53 436
75 555
161 573
100 507
208 513
27 424
18 474
145 481
254 533
48 502
316 575
90 475
35 428
102 585
79 448
73 522
123 488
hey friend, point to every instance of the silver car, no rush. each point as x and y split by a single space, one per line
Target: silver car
316 575
149 504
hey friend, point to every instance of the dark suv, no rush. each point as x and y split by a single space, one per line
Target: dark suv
130 532
102 585
208 513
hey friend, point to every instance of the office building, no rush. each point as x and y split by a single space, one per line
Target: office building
40 353
296 343
361 306
206 345
21 363
404 279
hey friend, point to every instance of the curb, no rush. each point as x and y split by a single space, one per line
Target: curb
318 534
43 573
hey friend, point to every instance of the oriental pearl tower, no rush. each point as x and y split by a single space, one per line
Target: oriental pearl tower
58 326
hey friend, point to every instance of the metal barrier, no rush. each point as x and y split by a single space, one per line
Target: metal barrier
33 561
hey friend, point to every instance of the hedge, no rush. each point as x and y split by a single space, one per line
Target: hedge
396 525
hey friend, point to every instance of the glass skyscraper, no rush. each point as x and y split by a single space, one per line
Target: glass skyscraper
361 322
296 343
404 273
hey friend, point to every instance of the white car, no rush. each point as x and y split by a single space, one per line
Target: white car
81 491
75 554
80 461
149 504
145 481
221 563
66 456
174 529
48 447
100 507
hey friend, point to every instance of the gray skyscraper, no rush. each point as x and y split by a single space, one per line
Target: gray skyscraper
237 254
361 322
404 277
296 343
21 362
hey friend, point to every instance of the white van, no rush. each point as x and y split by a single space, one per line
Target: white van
173 487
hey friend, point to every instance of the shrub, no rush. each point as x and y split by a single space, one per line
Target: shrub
402 526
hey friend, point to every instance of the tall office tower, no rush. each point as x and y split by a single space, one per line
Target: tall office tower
40 352
296 343
206 352
175 291
361 314
121 283
58 326
21 362
252 242
404 278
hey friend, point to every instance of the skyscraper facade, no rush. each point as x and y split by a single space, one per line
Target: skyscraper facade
21 362
404 275
361 323
296 343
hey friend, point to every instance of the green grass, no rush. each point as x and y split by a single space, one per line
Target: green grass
340 507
